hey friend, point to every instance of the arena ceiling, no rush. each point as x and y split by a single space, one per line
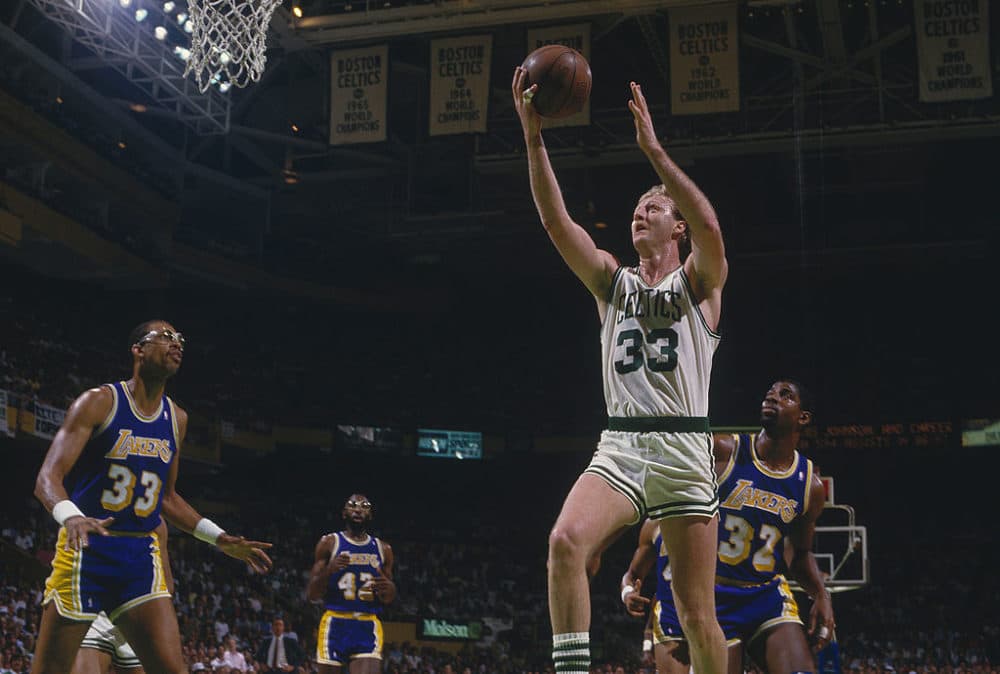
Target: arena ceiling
829 133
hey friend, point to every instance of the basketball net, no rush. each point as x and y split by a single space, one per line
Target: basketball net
228 41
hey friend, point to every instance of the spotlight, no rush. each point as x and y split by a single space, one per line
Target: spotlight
169 6
225 58
121 145
224 86
295 128
140 15
297 10
189 26
181 18
160 33
182 53
125 3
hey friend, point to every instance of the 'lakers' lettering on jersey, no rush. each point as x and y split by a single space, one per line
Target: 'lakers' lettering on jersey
124 465
756 510
348 590
657 348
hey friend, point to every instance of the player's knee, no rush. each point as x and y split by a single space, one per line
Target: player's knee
564 547
698 625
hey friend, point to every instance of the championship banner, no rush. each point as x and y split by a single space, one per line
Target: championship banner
704 59
5 429
576 36
953 49
460 84
359 80
47 420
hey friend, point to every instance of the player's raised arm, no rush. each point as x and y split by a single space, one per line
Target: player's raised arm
593 266
706 266
182 515
86 413
804 570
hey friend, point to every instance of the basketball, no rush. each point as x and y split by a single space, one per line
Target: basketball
563 78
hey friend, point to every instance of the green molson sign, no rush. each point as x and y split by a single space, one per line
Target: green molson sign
433 628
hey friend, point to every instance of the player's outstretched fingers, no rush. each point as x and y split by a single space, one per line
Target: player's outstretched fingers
260 562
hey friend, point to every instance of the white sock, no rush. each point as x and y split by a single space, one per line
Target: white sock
571 652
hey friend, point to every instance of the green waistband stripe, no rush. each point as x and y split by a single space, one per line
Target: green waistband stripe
659 424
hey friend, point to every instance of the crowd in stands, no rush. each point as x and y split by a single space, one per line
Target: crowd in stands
55 345
936 617
469 537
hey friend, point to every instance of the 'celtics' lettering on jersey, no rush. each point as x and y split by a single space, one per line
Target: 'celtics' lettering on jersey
756 510
657 348
349 589
123 467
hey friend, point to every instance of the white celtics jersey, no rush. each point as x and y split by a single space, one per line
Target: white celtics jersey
656 348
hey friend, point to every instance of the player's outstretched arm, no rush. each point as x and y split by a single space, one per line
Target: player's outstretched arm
182 515
804 570
593 266
643 560
86 413
708 267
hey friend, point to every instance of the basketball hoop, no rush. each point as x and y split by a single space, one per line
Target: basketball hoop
228 41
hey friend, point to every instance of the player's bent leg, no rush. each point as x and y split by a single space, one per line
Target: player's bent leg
783 649
365 666
672 657
151 629
58 641
691 544
592 515
734 654
91 661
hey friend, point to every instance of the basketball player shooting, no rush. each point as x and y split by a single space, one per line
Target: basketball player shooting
659 322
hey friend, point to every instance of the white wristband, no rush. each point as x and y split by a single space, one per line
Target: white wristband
65 509
647 645
626 590
208 531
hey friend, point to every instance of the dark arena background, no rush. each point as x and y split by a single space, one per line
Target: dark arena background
371 304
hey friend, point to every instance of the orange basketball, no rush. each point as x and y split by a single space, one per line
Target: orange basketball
563 78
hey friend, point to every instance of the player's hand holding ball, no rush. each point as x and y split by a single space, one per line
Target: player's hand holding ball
553 82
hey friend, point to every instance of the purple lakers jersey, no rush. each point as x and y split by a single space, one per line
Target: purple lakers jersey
756 508
348 590
123 467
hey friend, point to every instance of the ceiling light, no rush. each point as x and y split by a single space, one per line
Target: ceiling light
140 15
160 33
